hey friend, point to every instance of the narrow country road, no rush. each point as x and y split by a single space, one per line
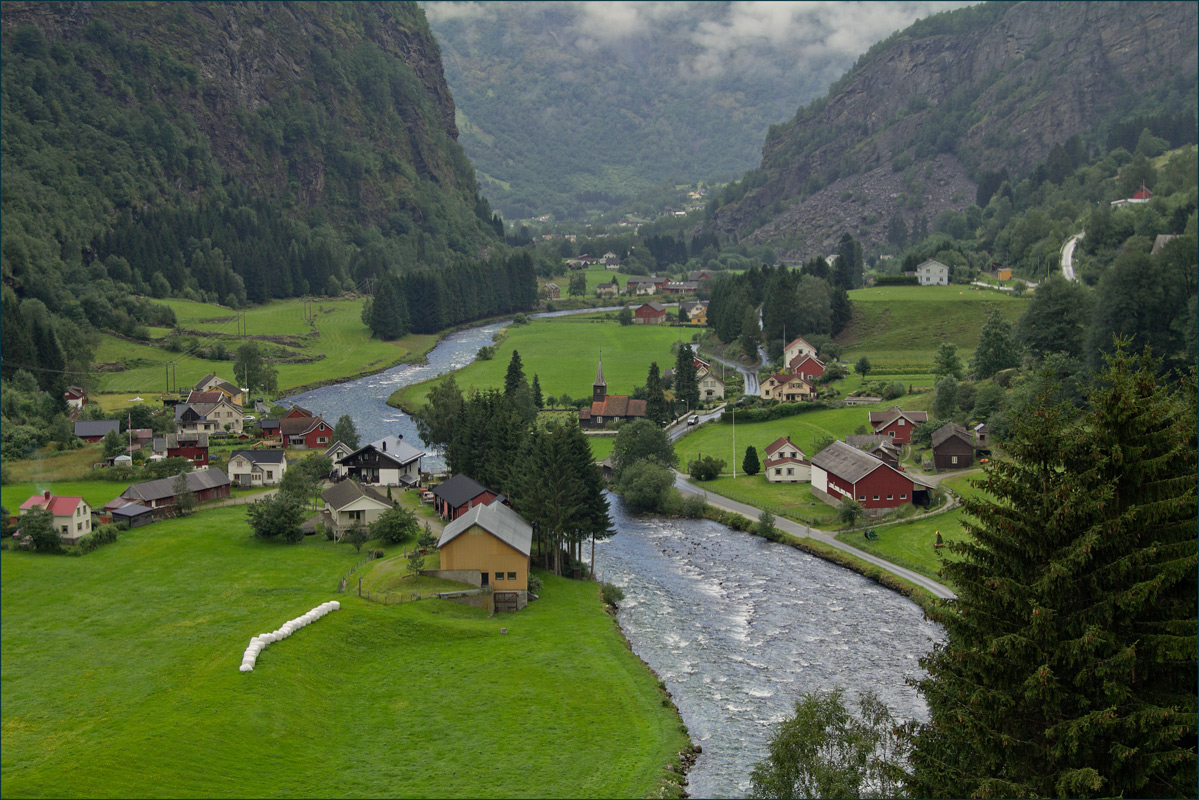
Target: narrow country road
795 529
1068 255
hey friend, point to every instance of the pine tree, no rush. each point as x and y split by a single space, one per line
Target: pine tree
655 399
538 398
515 377
751 465
1070 658
686 386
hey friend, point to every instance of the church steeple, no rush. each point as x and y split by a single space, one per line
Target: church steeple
599 389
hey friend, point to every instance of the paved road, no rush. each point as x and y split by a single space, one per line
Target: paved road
1068 255
796 529
749 374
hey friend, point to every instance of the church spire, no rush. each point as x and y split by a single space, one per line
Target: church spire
599 389
599 375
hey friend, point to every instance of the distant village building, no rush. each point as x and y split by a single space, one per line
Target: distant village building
650 314
806 366
75 396
70 516
551 291
456 496
642 285
680 287
249 468
348 504
881 447
94 430
607 408
711 387
785 387
192 446
694 312
953 447
611 261
797 348
896 424
611 289
932 273
390 461
840 471
489 547
1142 195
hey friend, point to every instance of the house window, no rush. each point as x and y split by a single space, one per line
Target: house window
890 497
499 576
778 470
902 420
891 434
78 526
953 459
862 497
876 497
322 440
790 471
511 576
269 474
903 496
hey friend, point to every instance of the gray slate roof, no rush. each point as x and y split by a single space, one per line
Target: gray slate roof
497 519
270 456
342 494
96 427
459 489
950 430
162 488
394 448
846 462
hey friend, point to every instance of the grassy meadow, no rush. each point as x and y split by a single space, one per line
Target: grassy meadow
899 328
563 352
336 339
121 680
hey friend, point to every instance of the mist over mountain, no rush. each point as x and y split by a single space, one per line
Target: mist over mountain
571 108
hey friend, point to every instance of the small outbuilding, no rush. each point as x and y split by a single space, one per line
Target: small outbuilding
489 546
953 447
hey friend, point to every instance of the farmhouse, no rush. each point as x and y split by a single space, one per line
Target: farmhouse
694 312
336 452
71 516
799 346
840 471
93 430
640 284
786 463
650 314
388 462
611 260
897 424
711 387
953 447
785 387
932 273
249 468
349 503
680 287
305 433
206 484
806 366
458 495
982 438
876 445
75 397
192 446
607 289
607 408
209 417
551 291
489 546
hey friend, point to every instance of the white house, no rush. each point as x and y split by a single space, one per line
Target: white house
390 461
249 468
336 452
932 273
348 504
711 387
786 463
799 346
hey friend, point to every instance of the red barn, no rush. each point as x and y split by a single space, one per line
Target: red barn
896 424
192 446
650 314
840 471
460 494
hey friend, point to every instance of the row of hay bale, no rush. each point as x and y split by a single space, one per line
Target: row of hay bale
288 628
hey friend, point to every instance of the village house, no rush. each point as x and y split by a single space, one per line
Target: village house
299 429
698 275
211 383
649 314
953 447
806 366
680 287
206 484
982 439
784 387
840 471
694 312
611 289
1142 195
797 348
93 430
336 452
551 291
489 547
459 494
349 503
876 445
786 463
390 461
932 273
248 468
607 408
201 416
75 396
611 261
711 387
192 446
71 516
896 424
642 285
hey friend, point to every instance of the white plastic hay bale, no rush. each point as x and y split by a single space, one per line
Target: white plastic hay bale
245 668
336 604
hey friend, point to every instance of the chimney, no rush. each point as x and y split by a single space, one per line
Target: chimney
47 495
384 445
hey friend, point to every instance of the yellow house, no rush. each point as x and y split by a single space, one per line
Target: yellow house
489 546
784 386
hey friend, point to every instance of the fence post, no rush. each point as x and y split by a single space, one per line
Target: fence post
360 587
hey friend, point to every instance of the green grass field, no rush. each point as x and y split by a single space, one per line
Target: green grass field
121 679
910 544
792 500
596 274
96 493
563 353
343 345
900 327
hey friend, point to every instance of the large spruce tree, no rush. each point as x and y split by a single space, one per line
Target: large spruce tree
686 386
1069 665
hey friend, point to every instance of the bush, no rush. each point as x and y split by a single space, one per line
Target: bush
693 506
486 352
772 412
612 594
520 319
705 468
894 391
534 584
104 534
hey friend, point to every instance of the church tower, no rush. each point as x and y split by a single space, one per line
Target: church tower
599 389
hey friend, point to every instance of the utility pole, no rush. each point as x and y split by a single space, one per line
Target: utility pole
734 442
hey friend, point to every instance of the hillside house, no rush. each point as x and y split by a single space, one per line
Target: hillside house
896 424
249 468
349 503
209 417
798 347
784 387
786 463
982 439
953 447
211 383
75 396
642 285
711 387
807 367
694 312
607 408
489 546
649 314
459 494
698 275
305 433
390 461
840 471
71 516
551 291
611 261
336 452
932 273
192 446
876 445
1142 195
611 289
93 430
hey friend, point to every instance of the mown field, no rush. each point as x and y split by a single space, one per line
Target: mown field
563 352
121 679
341 344
899 328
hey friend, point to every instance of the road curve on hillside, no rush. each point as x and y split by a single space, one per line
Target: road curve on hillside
796 529
1068 255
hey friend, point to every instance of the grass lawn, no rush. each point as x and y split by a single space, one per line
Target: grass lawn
121 679
792 500
910 544
342 345
601 446
96 493
55 465
901 327
596 274
563 352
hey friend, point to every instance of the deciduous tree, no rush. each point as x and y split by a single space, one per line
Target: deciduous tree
345 432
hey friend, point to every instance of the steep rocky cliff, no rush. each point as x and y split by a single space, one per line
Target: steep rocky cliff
922 116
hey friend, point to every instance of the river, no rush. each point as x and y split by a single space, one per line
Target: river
735 626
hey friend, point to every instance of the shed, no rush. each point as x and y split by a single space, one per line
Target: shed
953 447
489 545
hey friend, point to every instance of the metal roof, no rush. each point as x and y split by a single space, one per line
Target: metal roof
497 519
340 495
393 448
846 462
459 489
96 427
270 456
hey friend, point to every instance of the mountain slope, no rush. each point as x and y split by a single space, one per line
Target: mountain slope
923 116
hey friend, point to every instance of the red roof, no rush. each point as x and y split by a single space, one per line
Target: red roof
58 506
1142 193
618 405
779 443
802 359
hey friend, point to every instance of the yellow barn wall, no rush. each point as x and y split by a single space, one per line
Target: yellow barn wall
476 549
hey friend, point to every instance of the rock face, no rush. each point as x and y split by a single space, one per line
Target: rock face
983 88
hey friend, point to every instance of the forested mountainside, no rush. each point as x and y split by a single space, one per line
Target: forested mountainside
230 152
961 99
571 109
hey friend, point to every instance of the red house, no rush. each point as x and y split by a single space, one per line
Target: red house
840 471
192 446
896 424
806 366
650 314
460 494
305 433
